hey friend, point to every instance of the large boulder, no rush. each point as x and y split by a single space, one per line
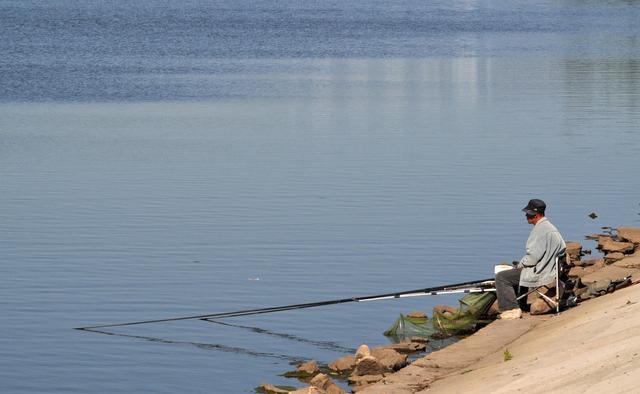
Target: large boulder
630 234
343 364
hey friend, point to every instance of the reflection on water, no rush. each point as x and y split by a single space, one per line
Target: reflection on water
597 85
358 176
329 345
204 346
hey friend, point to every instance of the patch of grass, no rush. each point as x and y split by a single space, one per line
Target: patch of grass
507 355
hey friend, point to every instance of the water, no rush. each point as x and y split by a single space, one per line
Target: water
162 159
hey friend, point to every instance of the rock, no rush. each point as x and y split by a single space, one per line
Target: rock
581 293
585 263
343 364
304 370
306 390
324 383
417 314
629 262
310 367
418 339
591 269
390 358
362 352
630 234
574 250
598 287
549 291
405 347
369 365
320 381
613 257
443 309
541 306
335 389
494 310
271 389
576 272
611 272
607 244
357 383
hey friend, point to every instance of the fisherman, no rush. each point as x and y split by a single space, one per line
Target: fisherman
537 267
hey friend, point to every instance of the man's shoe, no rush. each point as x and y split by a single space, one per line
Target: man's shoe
511 314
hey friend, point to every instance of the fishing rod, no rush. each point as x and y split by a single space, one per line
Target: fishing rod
464 287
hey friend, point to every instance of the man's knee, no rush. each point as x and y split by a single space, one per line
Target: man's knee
503 276
511 276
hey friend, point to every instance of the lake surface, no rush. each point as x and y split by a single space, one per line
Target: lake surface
164 159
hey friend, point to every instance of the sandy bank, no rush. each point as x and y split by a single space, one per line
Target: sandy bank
593 348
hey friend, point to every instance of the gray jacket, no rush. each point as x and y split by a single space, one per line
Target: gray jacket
543 246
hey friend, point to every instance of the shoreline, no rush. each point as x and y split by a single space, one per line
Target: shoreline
592 346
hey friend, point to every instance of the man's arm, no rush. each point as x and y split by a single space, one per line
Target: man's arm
534 252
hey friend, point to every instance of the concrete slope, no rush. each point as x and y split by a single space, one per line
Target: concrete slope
457 357
593 348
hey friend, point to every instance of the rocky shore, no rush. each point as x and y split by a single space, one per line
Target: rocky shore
594 347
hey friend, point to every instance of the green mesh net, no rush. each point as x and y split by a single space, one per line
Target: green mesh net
472 311
407 326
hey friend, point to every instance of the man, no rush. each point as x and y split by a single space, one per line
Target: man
537 267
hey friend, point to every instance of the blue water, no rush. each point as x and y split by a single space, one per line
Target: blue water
162 159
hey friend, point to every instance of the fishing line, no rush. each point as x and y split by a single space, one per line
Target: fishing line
474 286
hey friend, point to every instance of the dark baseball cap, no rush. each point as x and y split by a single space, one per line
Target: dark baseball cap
535 207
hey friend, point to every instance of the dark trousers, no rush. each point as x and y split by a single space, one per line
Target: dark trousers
507 288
